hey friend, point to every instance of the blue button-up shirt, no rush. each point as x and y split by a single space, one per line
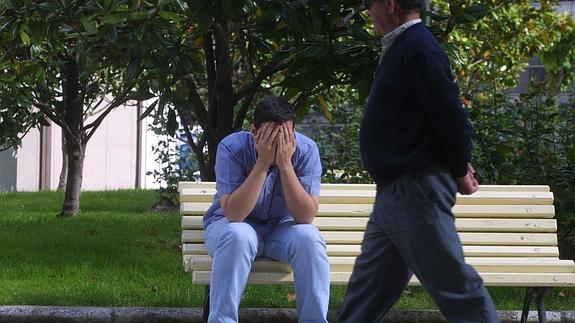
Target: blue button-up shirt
235 159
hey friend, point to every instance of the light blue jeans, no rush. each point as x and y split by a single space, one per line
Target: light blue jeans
235 245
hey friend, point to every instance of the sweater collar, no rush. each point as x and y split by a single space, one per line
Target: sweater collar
388 39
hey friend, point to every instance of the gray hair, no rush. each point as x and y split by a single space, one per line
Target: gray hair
412 5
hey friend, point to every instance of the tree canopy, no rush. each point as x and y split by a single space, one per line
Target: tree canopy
219 56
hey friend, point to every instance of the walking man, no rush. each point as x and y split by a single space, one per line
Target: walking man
415 142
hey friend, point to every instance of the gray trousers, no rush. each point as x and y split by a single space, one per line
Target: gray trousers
411 231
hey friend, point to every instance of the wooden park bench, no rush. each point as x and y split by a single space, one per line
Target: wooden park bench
509 235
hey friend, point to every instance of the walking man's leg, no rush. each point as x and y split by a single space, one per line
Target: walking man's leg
379 276
431 247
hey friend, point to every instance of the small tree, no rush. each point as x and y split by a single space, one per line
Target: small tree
63 59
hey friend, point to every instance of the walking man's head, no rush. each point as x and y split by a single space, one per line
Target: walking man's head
390 14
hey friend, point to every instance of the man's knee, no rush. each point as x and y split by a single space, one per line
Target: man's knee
307 237
239 236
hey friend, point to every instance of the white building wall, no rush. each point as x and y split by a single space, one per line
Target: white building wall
56 155
110 161
111 154
28 162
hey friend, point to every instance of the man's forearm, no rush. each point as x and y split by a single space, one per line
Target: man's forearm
301 205
242 201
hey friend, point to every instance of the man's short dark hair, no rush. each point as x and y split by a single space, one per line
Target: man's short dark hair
412 5
273 109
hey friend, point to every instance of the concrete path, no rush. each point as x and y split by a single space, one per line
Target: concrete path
41 314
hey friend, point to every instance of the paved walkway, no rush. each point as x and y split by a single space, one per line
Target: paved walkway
41 314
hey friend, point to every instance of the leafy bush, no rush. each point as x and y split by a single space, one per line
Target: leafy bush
526 140
175 163
338 144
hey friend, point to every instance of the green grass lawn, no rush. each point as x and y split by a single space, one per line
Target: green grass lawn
117 253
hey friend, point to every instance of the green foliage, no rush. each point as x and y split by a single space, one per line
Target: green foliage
338 142
14 123
174 165
104 42
526 140
75 62
218 57
493 46
558 57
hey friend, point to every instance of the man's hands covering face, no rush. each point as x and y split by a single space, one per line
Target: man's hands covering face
275 143
286 146
266 142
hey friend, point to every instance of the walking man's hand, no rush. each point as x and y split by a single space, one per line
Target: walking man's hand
468 184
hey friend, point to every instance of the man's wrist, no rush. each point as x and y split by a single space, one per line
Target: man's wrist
285 167
261 166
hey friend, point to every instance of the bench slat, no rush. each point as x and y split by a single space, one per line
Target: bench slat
469 251
342 264
367 197
327 186
460 211
476 225
490 279
467 238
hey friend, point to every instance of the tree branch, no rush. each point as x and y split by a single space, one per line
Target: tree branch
197 148
306 94
243 111
197 103
268 70
225 96
246 52
211 71
46 110
118 100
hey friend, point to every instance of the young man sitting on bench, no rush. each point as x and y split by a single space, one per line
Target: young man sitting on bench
267 194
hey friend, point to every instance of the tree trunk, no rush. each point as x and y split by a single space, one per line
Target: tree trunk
221 96
74 133
64 170
76 153
207 173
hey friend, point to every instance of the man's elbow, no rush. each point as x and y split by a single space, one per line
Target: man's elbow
303 221
305 218
234 216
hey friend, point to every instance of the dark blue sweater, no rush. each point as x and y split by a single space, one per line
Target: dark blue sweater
414 119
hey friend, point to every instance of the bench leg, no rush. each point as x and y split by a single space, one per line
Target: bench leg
206 312
537 293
